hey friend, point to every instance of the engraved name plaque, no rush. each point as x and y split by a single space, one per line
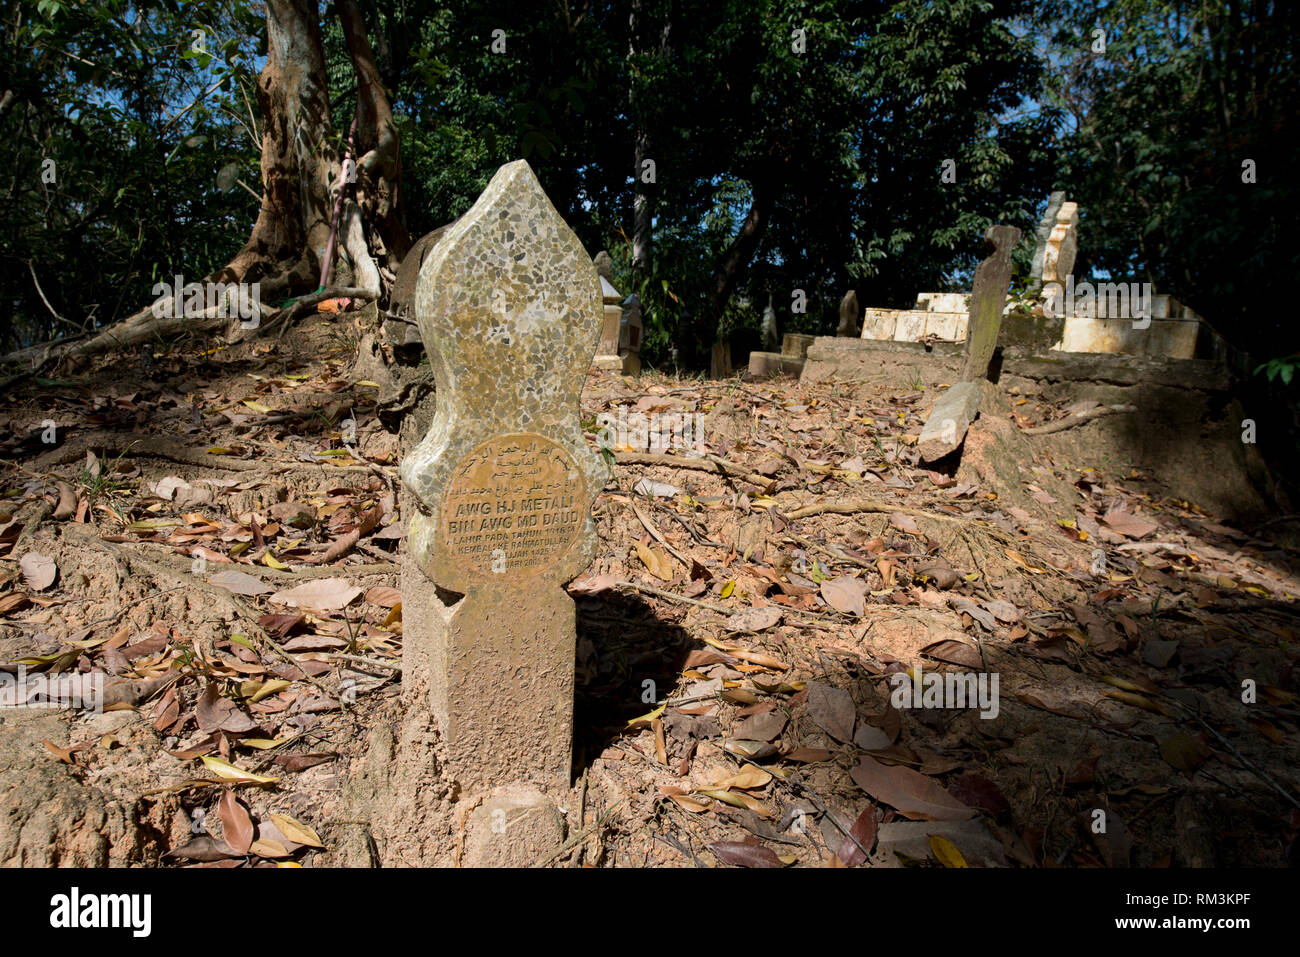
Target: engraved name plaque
514 504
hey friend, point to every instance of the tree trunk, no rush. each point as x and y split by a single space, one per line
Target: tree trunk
299 163
379 170
641 212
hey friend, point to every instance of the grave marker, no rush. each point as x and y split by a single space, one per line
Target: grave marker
956 408
988 300
509 307
848 315
1062 245
1042 234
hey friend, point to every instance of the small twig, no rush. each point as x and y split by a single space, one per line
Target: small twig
658 535
799 787
854 508
708 463
373 662
660 593
679 847
580 836
1258 772
41 291
1060 425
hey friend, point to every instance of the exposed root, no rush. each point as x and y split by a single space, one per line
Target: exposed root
1060 425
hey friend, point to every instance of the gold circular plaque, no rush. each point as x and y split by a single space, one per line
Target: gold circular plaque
513 505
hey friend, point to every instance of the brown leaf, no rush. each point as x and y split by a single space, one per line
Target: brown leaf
864 829
845 594
339 548
871 738
13 602
910 793
1185 752
203 848
297 832
683 800
325 594
67 506
63 754
592 584
809 755
904 523
955 652
239 583
236 825
967 606
761 727
740 854
656 562
39 571
833 710
383 596
754 619
978 791
215 713
301 762
168 711
1128 524
280 625
941 576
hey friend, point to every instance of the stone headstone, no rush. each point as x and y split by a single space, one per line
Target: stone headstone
879 324
509 306
607 347
795 344
1062 245
848 314
988 299
401 334
770 337
763 365
1044 231
945 429
630 333
720 359
604 266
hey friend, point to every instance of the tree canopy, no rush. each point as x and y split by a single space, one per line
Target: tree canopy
722 151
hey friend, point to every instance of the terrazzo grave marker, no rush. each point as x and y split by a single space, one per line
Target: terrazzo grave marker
509 308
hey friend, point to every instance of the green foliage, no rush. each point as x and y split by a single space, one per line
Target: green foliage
1160 125
833 151
114 150
1283 368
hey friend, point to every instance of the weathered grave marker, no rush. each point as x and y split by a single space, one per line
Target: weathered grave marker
1042 234
848 314
988 300
956 409
1062 245
770 336
509 307
607 347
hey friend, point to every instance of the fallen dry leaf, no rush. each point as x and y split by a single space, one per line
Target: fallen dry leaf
910 793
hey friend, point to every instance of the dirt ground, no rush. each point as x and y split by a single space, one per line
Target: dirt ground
215 535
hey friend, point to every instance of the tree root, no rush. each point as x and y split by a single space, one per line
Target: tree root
150 446
708 463
1069 422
